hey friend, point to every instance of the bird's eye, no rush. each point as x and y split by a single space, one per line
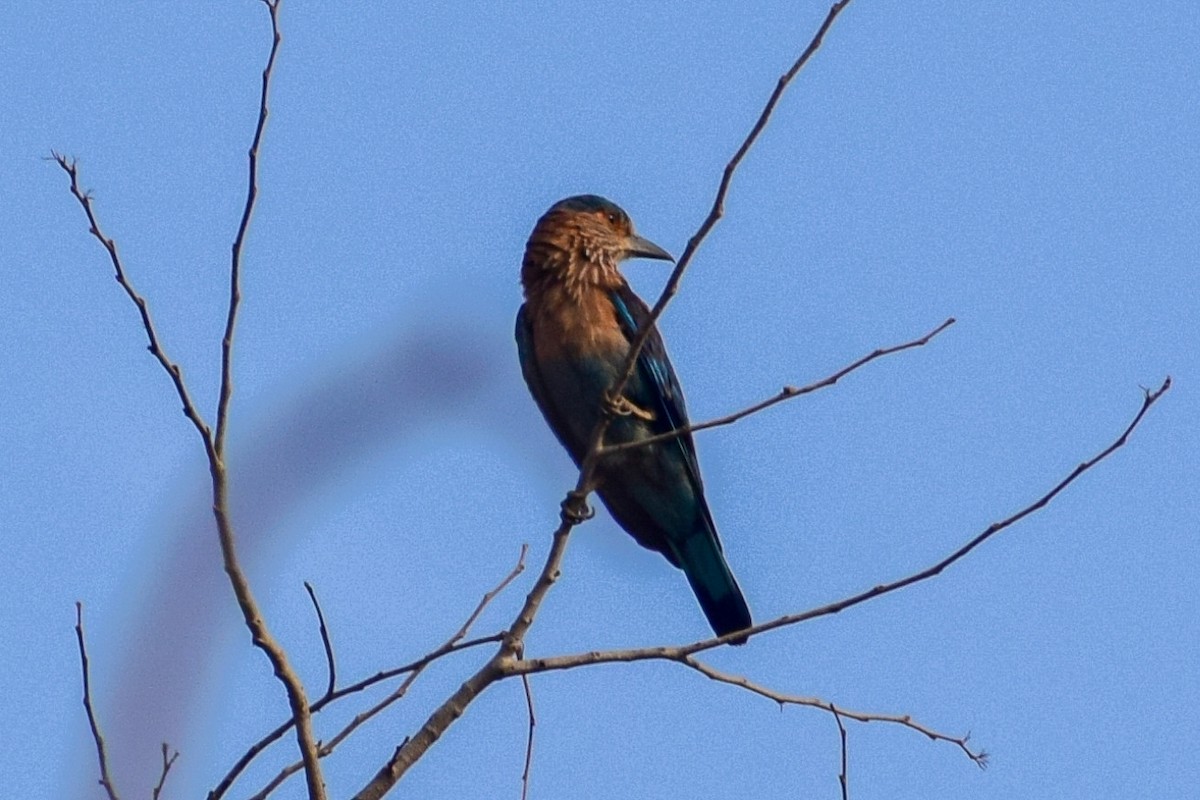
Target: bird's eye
613 218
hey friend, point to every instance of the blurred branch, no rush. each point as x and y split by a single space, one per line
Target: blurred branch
167 763
680 653
97 736
574 506
787 393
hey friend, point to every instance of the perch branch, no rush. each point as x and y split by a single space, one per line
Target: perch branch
787 393
574 507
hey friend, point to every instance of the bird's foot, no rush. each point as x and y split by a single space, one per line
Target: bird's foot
575 509
620 406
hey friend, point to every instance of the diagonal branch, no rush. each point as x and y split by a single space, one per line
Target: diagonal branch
71 167
680 652
97 736
787 393
714 215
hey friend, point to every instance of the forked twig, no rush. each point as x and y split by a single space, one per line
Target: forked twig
359 719
167 763
980 758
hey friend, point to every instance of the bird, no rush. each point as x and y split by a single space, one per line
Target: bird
574 332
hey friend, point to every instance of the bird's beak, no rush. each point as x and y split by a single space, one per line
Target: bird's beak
637 247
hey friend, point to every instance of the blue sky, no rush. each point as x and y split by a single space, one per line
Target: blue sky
1030 169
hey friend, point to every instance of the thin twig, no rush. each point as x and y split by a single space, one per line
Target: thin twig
415 672
678 653
574 507
529 739
843 776
173 370
239 240
980 758
787 393
329 660
97 736
167 763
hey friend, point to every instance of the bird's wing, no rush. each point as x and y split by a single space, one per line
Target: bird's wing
655 386
537 385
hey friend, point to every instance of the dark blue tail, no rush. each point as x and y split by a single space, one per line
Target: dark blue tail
715 587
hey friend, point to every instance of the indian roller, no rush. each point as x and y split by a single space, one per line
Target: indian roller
573 335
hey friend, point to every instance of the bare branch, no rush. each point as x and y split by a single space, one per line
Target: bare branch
787 393
266 741
71 167
414 672
312 595
979 758
412 748
529 739
679 652
843 775
214 444
714 215
235 260
97 736
167 763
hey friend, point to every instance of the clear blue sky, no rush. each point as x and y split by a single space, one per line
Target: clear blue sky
1031 169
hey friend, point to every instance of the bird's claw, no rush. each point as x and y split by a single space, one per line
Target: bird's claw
575 509
621 406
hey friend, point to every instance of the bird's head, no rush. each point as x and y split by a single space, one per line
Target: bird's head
581 240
